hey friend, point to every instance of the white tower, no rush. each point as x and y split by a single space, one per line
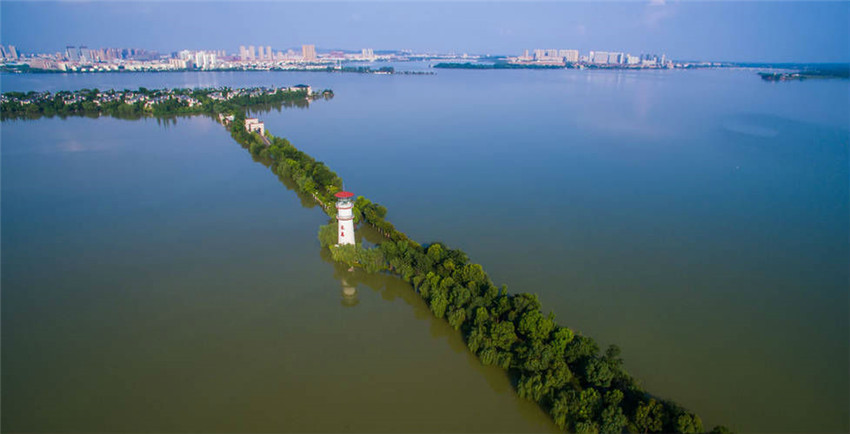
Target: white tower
345 217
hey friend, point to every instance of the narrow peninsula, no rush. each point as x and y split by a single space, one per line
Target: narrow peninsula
583 388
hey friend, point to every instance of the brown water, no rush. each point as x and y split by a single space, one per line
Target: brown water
156 279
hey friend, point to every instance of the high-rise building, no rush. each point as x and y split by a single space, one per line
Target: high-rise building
207 60
649 59
252 53
72 54
599 57
8 53
367 53
243 53
308 53
269 52
621 58
261 55
568 55
84 53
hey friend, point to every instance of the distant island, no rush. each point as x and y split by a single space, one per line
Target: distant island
809 72
793 71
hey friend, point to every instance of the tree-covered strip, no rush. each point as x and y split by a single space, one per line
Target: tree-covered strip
583 388
150 102
311 176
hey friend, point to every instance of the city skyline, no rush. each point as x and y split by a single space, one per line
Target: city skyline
714 32
84 59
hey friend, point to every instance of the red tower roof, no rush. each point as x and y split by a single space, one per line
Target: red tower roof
344 194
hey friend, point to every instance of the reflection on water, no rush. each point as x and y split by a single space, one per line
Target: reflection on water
346 278
349 294
392 289
698 213
261 109
178 273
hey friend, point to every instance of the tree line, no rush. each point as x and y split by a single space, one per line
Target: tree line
93 102
583 388
311 176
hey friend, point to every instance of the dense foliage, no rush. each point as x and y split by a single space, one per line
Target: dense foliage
311 176
582 388
144 102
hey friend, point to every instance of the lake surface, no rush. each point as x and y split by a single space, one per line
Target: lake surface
155 278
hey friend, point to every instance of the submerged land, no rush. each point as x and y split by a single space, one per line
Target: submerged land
632 253
583 388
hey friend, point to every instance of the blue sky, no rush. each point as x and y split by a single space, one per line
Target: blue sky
735 31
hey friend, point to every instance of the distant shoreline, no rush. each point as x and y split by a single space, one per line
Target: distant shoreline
505 65
796 70
386 70
769 72
805 75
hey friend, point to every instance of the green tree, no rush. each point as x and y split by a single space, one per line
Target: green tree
598 373
436 252
532 325
459 296
502 334
613 420
580 348
649 417
560 337
688 423
532 387
587 427
560 410
328 235
456 318
438 304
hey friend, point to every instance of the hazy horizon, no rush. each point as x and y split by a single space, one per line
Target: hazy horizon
685 30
